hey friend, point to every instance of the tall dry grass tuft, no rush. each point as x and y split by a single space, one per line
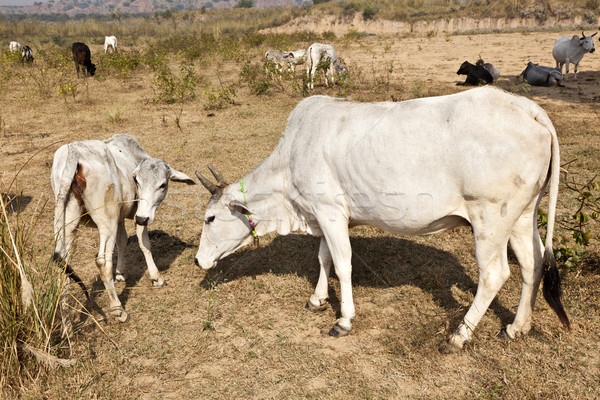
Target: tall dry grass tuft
30 293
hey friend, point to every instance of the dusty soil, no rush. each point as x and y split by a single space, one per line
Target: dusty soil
241 330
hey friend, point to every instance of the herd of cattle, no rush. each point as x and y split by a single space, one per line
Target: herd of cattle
415 167
565 51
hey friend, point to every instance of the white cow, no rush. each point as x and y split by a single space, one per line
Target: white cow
322 56
108 181
289 58
294 58
482 158
13 46
110 41
571 51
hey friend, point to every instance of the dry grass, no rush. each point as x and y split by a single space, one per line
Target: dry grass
240 331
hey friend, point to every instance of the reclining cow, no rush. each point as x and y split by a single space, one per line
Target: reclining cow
538 75
107 182
476 74
490 68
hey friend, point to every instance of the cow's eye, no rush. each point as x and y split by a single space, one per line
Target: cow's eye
210 219
163 186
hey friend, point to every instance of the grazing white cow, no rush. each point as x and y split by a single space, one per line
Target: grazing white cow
322 56
278 57
13 46
110 41
482 158
108 181
294 58
571 51
289 58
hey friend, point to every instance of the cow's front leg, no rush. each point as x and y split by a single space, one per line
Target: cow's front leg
318 300
121 243
338 242
144 241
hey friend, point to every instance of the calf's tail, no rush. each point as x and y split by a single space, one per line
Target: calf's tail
64 168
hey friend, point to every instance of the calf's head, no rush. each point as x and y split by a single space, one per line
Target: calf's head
152 178
226 226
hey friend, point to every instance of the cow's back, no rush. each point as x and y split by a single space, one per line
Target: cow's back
439 150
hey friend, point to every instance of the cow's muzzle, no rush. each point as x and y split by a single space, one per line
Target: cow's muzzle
592 50
141 220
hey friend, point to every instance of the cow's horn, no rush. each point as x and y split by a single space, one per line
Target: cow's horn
207 184
582 35
594 34
217 175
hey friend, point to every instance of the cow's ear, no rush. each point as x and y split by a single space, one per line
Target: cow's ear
238 206
177 176
135 172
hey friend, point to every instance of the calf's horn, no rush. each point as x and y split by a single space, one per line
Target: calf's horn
207 184
217 175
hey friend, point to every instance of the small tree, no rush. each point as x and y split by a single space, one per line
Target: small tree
244 4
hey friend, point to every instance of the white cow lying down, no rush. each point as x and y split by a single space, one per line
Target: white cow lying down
482 158
109 180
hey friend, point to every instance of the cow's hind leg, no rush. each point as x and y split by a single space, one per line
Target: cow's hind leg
104 262
144 241
492 260
527 245
318 300
121 243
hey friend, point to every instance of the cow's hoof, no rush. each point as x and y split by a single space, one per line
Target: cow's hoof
503 335
120 278
159 282
119 314
448 347
339 331
310 306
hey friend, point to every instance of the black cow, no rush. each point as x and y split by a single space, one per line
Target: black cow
538 75
27 54
83 57
476 74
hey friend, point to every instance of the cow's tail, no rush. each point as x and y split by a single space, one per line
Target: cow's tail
64 169
552 287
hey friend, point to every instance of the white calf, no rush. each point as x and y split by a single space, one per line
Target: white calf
108 181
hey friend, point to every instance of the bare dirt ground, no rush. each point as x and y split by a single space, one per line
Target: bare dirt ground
410 292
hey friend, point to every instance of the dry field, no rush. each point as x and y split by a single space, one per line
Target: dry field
241 330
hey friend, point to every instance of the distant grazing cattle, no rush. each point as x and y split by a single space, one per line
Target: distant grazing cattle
322 56
476 74
570 51
107 182
481 158
110 41
83 58
13 46
297 57
27 54
278 57
490 68
538 75
289 58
